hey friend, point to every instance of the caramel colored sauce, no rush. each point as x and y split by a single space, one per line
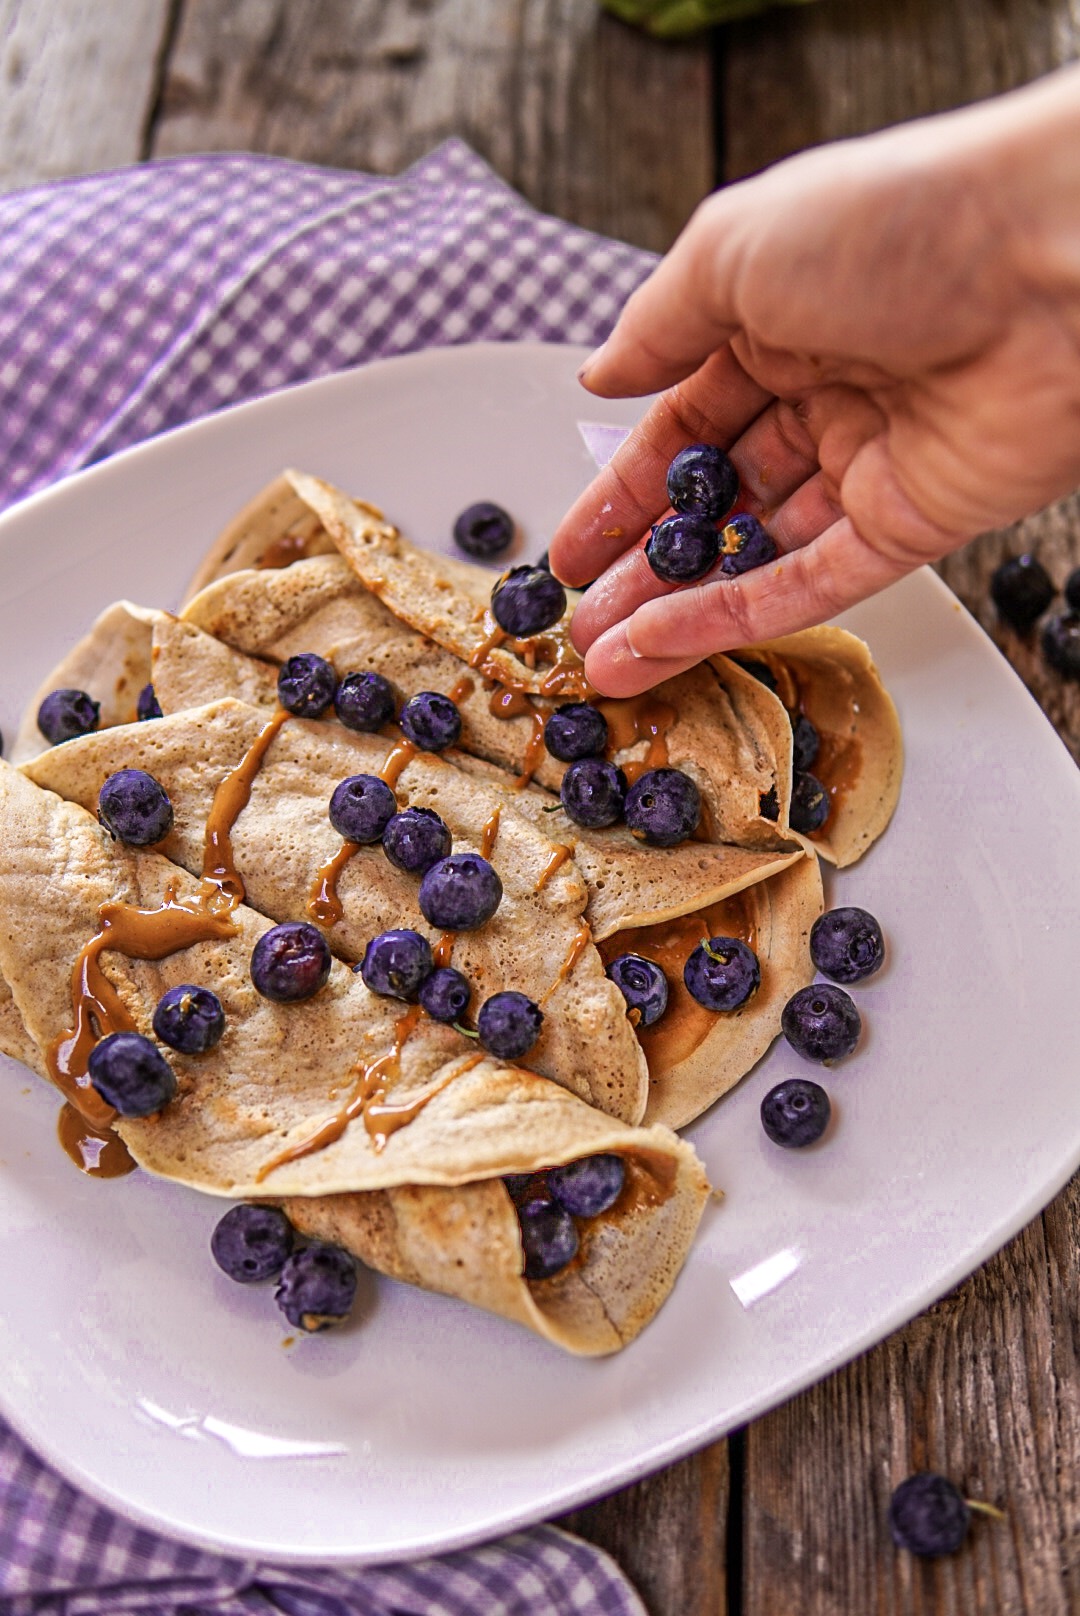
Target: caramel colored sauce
323 905
398 759
506 703
534 752
230 799
582 939
567 679
289 547
444 948
555 862
97 1152
838 767
565 676
460 689
641 718
490 832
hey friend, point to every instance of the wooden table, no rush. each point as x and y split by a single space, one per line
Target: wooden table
603 126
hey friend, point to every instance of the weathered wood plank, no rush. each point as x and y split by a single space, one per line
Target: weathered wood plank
570 107
78 81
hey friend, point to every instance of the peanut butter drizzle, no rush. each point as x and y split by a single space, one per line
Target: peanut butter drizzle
506 702
838 767
555 862
490 832
582 939
97 1152
323 905
640 718
230 799
289 547
565 676
398 759
460 689
444 948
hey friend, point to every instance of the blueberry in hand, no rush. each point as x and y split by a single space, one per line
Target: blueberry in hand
1021 589
361 808
702 480
589 1186
527 600
134 808
509 1024
593 792
290 962
549 1237
484 530
396 962
805 744
189 1019
460 893
744 545
131 1074
682 548
430 721
810 806
722 974
1061 643
445 994
251 1243
576 730
821 1022
415 839
67 713
795 1113
928 1515
642 984
147 705
663 807
306 684
317 1286
364 702
846 944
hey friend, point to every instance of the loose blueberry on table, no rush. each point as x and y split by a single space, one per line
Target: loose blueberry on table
131 1074
396 963
795 1113
1021 589
361 808
190 1019
135 808
460 893
66 713
251 1243
663 807
317 1286
576 730
430 721
809 807
642 984
509 1024
744 545
484 530
147 705
722 973
364 702
593 792
702 480
415 839
290 962
821 1022
589 1186
681 549
306 685
846 944
445 994
928 1515
527 600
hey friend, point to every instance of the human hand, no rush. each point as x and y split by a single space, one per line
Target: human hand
885 335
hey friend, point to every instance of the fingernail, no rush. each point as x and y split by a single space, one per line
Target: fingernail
590 362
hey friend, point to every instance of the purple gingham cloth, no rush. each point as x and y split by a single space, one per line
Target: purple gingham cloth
132 302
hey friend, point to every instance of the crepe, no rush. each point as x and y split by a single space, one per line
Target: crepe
111 663
274 528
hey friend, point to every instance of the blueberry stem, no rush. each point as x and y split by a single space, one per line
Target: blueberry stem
720 958
466 1032
986 1509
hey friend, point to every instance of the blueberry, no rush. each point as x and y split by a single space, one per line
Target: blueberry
484 530
134 808
682 548
589 1186
317 1286
430 721
445 994
663 807
1061 643
642 984
821 1022
549 1237
593 792
526 1189
416 839
509 1024
395 963
306 684
761 672
364 702
147 705
1072 590
460 893
702 480
574 731
810 806
795 1113
527 600
251 1243
805 744
361 808
189 1019
722 974
928 1515
67 713
744 545
131 1074
290 962
1021 590
846 944
769 804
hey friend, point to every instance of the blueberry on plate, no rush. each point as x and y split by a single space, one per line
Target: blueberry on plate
682 548
795 1113
135 808
430 721
593 792
415 839
396 962
702 481
810 806
189 1019
484 530
549 1238
364 702
290 962
589 1186
928 1515
1021 589
251 1243
744 545
460 893
805 744
576 730
642 984
821 1022
722 974
527 600
361 808
317 1287
67 713
509 1024
846 944
1061 643
663 807
445 994
306 685
131 1074
147 705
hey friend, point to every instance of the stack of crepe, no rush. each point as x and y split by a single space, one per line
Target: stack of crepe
372 1124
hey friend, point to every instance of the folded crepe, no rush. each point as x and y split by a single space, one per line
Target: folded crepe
274 528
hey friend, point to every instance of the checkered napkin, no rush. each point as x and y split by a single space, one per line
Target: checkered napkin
132 302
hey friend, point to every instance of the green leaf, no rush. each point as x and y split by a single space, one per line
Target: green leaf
673 19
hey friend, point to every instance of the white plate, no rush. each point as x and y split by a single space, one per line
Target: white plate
166 1391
